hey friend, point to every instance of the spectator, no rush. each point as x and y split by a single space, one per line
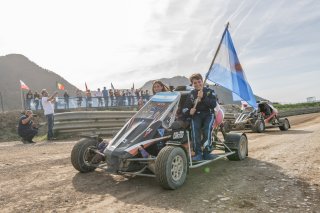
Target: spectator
26 127
111 94
36 100
117 95
132 96
47 103
140 103
88 99
105 94
137 92
158 86
79 98
147 95
128 94
143 95
99 97
29 97
66 100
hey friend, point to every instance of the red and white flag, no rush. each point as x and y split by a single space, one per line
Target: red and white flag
23 85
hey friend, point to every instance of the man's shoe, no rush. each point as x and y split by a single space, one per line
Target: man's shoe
209 156
52 139
197 157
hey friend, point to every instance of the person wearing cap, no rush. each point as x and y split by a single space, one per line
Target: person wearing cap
48 107
26 127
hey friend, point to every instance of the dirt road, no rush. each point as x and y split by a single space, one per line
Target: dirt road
282 174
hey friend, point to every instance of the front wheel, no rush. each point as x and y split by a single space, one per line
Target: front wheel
284 124
171 167
82 157
259 126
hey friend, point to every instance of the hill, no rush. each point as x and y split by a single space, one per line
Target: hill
15 67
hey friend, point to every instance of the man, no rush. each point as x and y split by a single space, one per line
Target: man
48 107
26 127
98 94
66 100
29 97
202 117
268 111
105 94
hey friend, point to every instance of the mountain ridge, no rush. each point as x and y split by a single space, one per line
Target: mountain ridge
15 67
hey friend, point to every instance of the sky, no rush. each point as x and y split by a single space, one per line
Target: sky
126 42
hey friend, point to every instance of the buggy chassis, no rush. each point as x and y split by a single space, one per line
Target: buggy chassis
254 120
169 165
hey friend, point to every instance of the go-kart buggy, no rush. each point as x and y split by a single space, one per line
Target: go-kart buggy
154 143
266 116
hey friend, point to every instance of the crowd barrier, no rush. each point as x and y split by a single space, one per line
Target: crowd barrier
90 122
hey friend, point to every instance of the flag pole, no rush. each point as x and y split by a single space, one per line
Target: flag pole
212 62
216 53
22 100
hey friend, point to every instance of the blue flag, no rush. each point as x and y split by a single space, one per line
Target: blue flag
227 72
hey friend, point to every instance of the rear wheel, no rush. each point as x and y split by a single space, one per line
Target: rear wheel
171 167
239 144
285 125
82 157
259 126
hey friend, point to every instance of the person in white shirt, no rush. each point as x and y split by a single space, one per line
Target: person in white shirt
99 96
48 107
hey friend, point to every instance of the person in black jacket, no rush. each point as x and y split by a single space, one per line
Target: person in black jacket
201 115
26 127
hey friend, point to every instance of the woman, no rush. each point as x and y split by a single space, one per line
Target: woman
36 100
158 86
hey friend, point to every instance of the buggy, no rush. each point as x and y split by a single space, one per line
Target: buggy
266 116
155 142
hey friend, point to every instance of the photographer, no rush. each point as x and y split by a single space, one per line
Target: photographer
26 128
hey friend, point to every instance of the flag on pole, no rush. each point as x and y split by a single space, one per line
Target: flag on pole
227 71
85 83
112 87
23 85
60 86
132 88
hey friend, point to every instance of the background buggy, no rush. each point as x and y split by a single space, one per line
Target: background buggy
266 116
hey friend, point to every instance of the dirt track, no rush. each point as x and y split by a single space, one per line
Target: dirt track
282 174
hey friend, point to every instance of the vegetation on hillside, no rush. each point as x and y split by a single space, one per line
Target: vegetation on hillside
285 107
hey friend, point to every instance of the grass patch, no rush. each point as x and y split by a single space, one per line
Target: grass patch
286 107
39 138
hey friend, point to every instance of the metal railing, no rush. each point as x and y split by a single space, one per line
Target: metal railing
90 122
84 102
